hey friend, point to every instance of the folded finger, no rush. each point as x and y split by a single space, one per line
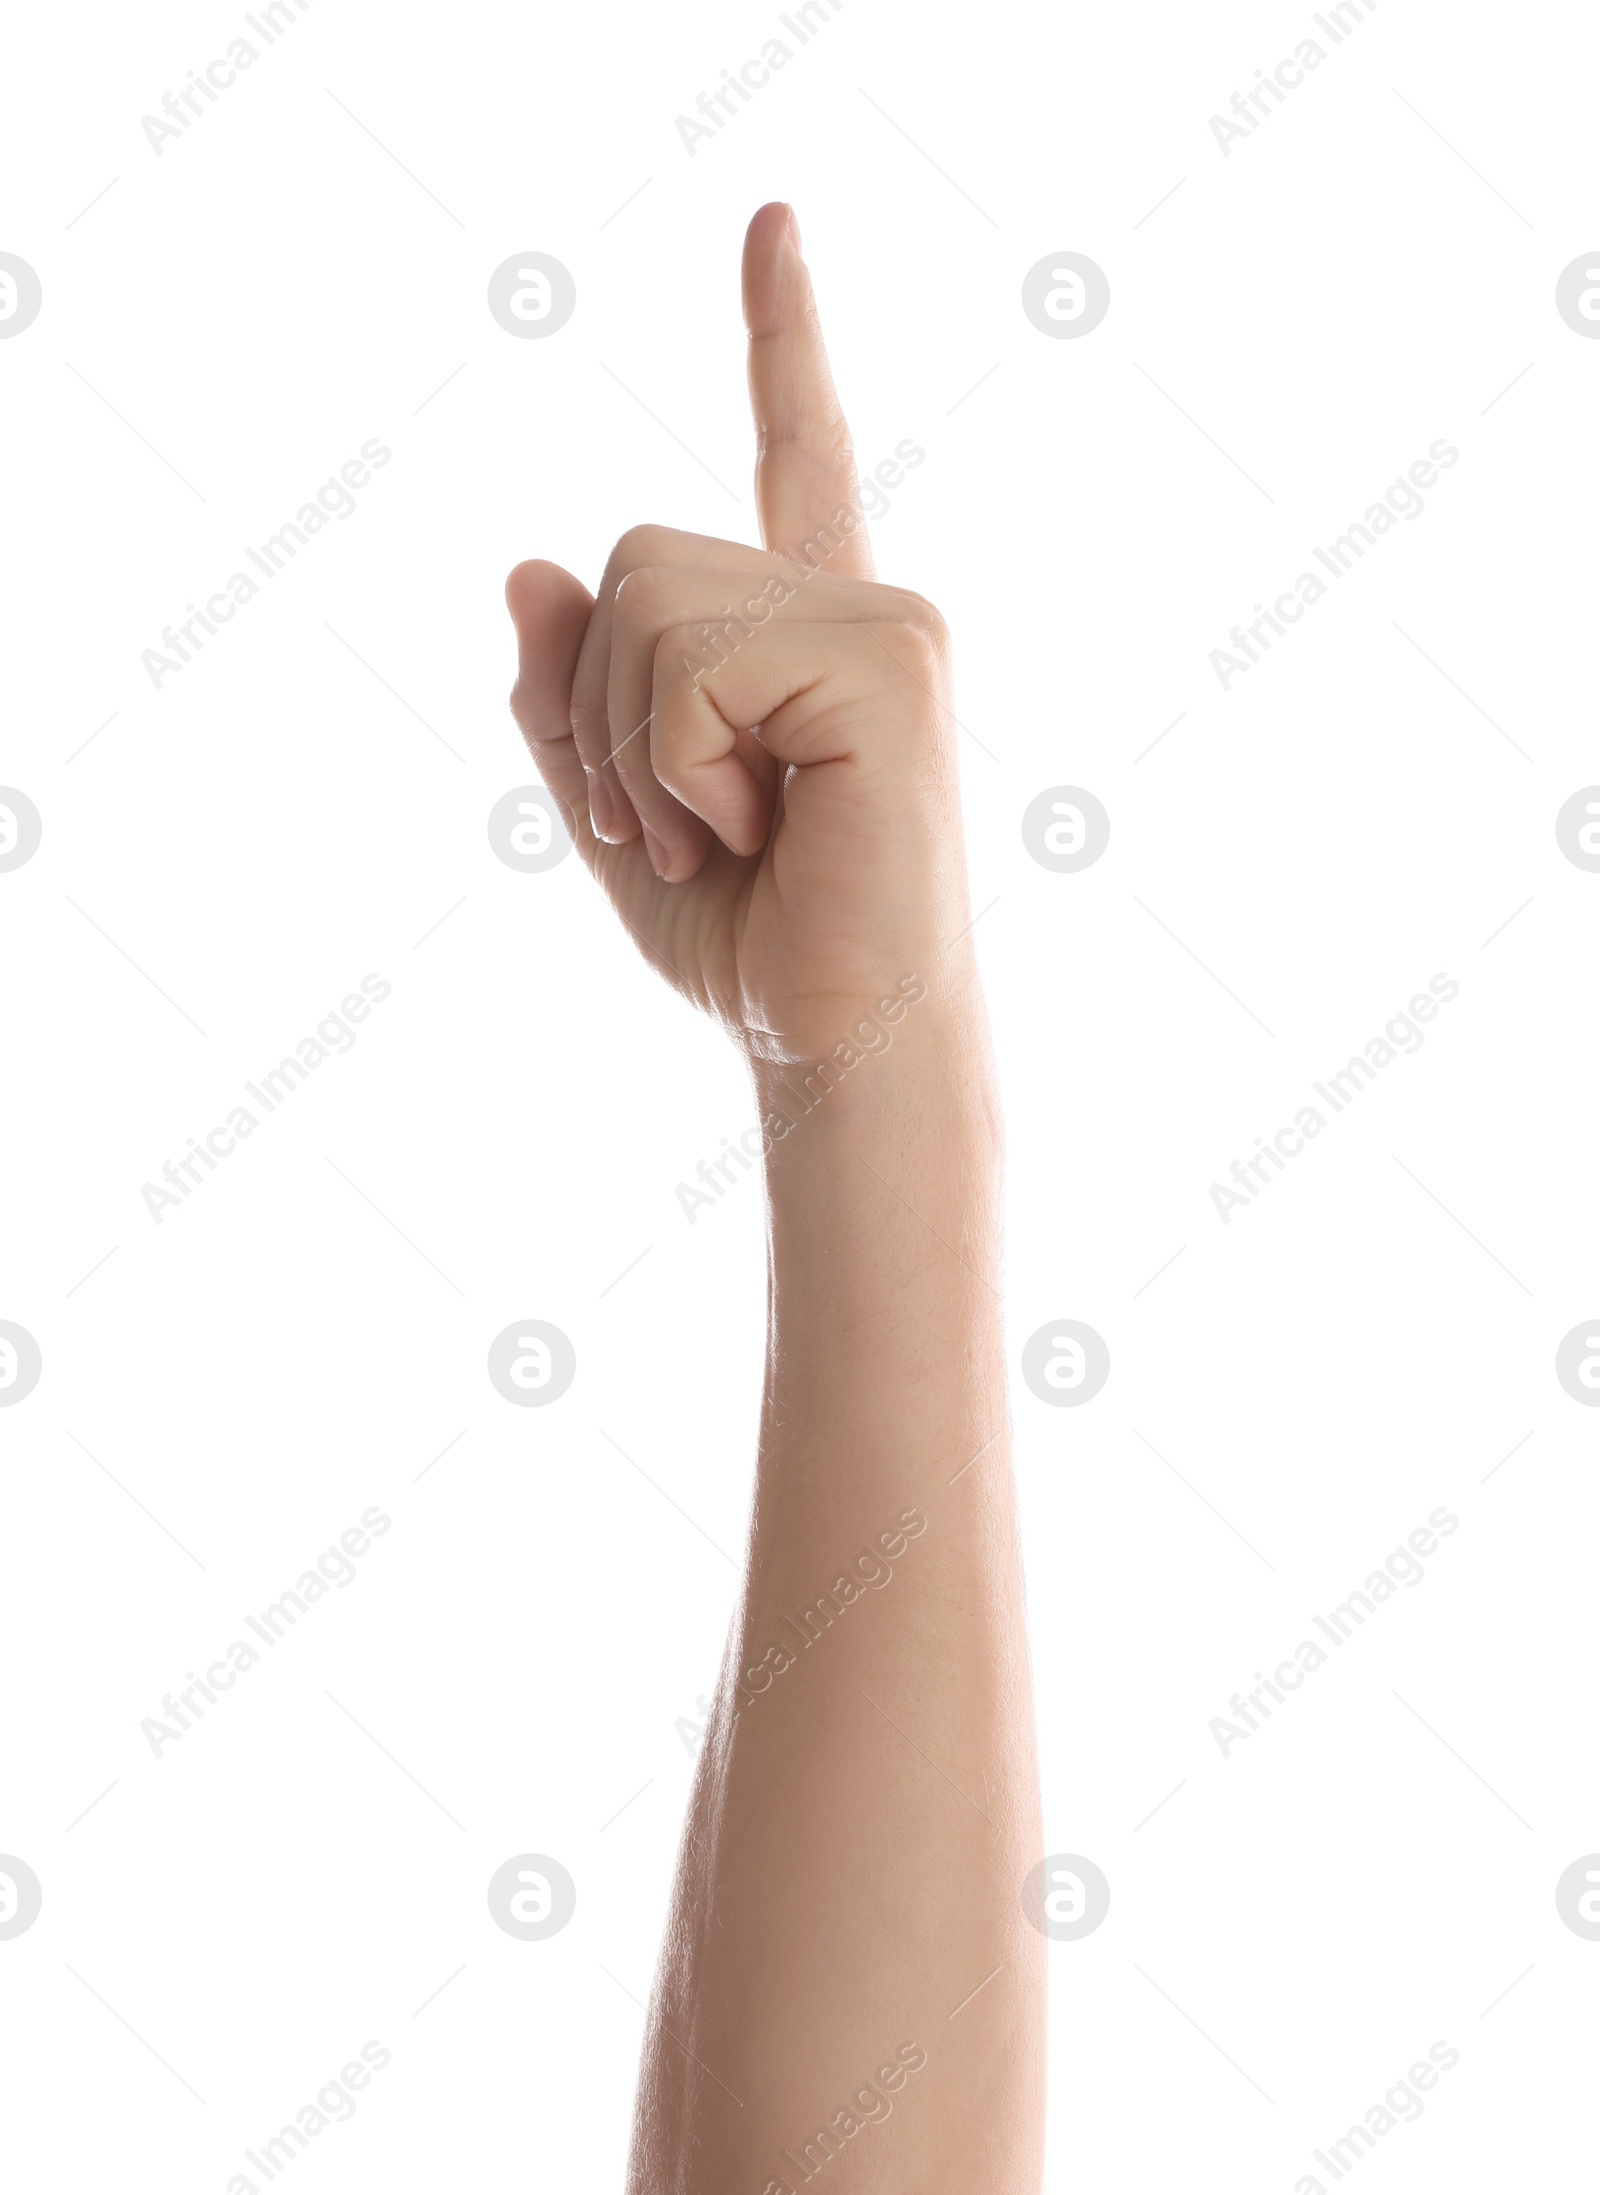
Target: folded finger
612 811
717 615
550 612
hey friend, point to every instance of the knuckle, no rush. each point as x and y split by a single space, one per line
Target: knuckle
679 640
922 644
643 592
933 636
918 612
639 545
689 654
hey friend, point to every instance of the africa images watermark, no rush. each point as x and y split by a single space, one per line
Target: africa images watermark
717 108
869 2105
332 2101
870 1571
1252 107
1402 1568
1400 2103
180 642
333 1034
1403 499
1400 1034
334 1568
868 1038
183 109
721 638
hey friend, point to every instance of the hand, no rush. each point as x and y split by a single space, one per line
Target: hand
754 748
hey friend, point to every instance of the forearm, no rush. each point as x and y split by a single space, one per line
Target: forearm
848 1980
867 1808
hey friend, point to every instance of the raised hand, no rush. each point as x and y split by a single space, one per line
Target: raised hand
754 747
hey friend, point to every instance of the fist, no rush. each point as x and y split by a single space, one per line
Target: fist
754 747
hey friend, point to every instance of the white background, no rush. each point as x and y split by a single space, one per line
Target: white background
306 802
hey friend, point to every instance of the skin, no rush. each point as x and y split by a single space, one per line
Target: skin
847 1970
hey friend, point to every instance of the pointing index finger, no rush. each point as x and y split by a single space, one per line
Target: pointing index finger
805 467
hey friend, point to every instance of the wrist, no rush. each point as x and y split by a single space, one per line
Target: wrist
883 1197
920 1082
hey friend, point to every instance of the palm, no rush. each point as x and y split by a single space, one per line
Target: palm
768 944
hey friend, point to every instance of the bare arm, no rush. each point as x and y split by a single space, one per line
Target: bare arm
848 1976
866 1809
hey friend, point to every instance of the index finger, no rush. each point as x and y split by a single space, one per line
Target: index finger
805 466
